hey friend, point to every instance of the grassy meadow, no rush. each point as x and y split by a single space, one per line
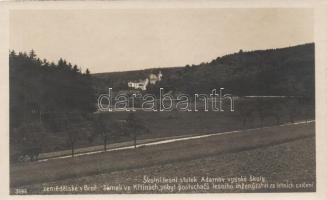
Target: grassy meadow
93 166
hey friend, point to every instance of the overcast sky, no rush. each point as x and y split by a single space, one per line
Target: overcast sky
120 40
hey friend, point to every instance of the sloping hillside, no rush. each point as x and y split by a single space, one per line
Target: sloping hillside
284 71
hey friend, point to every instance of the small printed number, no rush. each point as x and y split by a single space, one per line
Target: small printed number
21 191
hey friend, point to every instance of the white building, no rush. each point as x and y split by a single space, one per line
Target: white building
154 78
142 84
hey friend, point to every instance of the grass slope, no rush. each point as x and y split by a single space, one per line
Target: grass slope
292 162
34 173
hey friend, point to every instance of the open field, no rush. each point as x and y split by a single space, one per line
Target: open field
160 125
71 168
292 161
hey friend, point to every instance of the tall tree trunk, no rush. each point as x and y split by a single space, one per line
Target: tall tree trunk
105 143
73 149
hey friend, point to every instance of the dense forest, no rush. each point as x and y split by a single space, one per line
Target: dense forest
285 71
39 87
49 103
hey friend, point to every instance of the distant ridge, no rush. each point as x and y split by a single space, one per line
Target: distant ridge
281 71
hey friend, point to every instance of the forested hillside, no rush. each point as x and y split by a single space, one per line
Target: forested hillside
52 104
38 87
285 71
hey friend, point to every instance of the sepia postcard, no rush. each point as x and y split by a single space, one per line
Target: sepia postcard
164 98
